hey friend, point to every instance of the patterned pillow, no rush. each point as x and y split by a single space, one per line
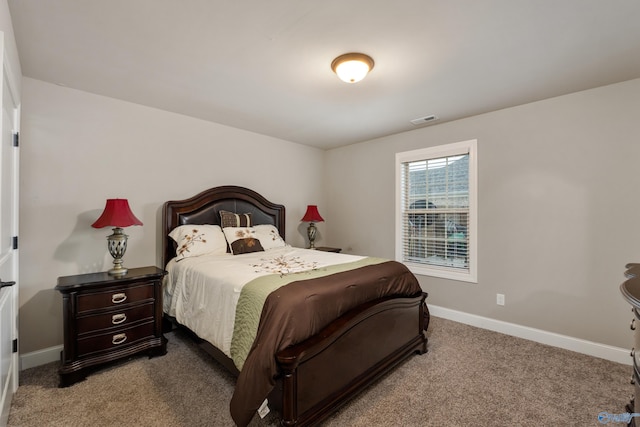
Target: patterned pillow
242 240
269 236
230 219
194 240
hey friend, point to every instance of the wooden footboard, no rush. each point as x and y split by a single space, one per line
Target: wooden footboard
323 372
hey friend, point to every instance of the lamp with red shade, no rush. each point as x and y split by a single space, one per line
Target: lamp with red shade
117 214
312 216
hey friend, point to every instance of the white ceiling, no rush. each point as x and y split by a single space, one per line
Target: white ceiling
264 66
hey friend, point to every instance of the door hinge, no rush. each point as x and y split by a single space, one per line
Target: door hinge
16 139
15 242
15 345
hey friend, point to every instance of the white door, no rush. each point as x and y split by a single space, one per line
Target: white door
9 163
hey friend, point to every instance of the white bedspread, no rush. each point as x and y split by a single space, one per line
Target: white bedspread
202 292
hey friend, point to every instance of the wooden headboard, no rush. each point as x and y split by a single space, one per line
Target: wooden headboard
205 208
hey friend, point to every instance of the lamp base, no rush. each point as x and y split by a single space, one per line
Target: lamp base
311 234
118 271
117 243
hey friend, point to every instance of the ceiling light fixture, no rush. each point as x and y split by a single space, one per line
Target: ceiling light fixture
352 67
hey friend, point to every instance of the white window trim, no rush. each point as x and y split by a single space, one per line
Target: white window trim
435 152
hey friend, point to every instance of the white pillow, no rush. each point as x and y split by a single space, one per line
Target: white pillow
194 240
242 240
269 236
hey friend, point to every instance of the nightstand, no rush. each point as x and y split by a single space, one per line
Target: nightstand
328 249
107 318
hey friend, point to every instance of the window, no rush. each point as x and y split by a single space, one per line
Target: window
436 198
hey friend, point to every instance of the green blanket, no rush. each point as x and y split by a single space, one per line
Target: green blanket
254 294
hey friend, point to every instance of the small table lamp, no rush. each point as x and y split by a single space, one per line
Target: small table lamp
311 216
117 214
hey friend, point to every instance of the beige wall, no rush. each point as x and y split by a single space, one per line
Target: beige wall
558 209
557 205
78 149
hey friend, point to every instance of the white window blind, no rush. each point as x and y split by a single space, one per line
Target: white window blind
436 210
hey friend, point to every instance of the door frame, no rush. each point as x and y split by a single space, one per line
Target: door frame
11 85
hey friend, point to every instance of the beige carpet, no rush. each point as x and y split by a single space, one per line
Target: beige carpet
469 377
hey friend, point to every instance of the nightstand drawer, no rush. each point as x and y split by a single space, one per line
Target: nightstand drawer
115 297
114 340
112 319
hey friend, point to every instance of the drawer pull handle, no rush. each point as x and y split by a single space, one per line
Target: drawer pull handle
118 298
118 339
116 319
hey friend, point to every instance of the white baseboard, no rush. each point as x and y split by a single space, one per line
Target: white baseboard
615 354
40 357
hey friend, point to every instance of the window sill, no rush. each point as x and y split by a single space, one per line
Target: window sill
422 270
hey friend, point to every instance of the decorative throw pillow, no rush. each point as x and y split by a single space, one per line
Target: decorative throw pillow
242 240
194 240
269 236
230 219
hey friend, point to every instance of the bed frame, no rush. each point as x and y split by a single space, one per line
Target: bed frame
322 373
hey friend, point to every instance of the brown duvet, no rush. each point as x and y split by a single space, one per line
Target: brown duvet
300 310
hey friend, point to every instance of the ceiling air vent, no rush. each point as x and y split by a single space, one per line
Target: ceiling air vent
423 120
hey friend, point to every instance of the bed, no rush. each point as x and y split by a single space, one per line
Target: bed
310 370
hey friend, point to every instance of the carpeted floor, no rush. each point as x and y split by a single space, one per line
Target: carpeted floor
469 377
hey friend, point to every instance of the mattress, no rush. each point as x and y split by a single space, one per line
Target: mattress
202 292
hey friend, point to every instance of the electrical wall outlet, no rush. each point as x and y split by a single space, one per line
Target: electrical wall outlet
500 299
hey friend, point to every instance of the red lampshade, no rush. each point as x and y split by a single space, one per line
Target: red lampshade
312 214
116 214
